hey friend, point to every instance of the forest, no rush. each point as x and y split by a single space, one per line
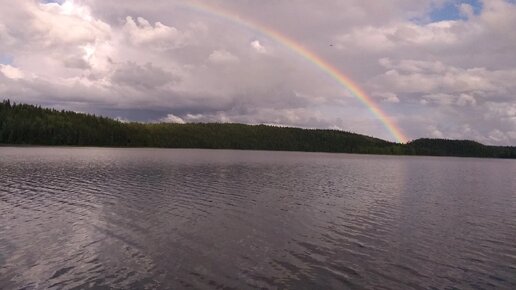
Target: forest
24 124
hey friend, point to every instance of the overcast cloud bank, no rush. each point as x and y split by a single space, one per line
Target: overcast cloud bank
454 78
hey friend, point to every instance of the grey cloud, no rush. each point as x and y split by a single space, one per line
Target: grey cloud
142 77
76 62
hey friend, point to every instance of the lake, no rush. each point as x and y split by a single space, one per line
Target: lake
221 219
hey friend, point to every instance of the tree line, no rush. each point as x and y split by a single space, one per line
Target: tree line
24 124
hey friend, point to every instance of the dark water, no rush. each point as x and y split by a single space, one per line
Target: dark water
172 219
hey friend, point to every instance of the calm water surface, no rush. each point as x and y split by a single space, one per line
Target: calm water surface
208 219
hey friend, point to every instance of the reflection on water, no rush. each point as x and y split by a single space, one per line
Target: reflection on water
151 218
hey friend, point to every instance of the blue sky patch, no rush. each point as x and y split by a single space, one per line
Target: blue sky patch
450 10
6 59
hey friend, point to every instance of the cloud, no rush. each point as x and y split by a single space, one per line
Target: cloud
141 77
141 32
258 47
450 79
465 99
171 118
222 56
76 62
55 25
498 136
11 72
411 76
387 97
466 10
449 100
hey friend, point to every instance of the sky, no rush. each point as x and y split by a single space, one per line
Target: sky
433 68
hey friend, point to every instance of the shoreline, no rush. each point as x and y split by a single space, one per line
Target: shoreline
28 146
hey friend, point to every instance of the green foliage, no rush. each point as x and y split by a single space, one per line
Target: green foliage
461 148
31 125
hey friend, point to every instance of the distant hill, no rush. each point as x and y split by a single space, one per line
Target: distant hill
22 124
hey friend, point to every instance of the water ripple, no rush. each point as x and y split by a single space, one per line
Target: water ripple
147 218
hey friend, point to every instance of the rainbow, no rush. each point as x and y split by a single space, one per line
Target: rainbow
310 56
